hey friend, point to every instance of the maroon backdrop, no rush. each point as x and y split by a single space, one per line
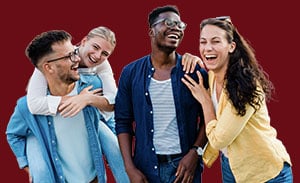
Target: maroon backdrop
271 28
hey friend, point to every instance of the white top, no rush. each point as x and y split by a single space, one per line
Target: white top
216 103
166 136
73 147
40 103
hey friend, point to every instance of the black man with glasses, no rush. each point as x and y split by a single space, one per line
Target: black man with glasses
69 148
158 110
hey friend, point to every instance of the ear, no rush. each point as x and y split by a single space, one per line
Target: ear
232 47
82 42
47 68
150 32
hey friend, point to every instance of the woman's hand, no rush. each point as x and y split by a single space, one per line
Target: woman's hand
190 61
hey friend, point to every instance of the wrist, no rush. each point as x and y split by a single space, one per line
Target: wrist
198 150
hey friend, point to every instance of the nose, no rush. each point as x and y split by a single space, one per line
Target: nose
207 46
99 54
77 58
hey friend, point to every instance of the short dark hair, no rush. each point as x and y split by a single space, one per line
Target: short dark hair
155 12
41 45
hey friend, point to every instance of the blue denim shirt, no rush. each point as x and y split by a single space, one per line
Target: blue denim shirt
22 123
133 103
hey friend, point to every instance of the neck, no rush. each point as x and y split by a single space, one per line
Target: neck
163 60
60 88
163 64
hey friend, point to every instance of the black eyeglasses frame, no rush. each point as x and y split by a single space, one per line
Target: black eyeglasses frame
71 56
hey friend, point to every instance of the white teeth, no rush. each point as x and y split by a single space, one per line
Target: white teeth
91 59
173 36
210 56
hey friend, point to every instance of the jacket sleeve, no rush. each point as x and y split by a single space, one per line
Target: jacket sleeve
16 133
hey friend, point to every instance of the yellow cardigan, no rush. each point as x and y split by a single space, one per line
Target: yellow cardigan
254 152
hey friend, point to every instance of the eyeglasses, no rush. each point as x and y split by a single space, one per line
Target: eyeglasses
72 56
171 23
224 18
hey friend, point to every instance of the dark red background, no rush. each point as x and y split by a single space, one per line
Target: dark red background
271 28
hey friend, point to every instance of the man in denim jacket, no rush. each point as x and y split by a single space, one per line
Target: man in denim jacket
69 148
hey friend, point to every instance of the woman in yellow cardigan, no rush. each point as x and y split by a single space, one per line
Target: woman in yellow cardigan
235 110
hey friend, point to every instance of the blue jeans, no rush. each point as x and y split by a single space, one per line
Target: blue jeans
167 171
285 176
109 145
111 123
227 175
111 150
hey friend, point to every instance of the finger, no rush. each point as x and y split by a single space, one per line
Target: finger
179 174
73 113
89 87
62 106
86 89
191 80
189 85
65 112
186 62
190 62
193 65
190 65
186 177
200 77
97 91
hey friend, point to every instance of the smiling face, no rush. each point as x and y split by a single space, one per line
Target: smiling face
94 50
164 36
215 48
62 70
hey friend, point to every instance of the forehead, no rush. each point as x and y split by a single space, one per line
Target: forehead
63 47
212 31
169 14
101 42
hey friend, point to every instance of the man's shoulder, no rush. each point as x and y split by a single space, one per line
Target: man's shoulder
22 105
22 101
138 62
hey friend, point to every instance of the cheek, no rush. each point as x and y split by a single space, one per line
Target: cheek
201 51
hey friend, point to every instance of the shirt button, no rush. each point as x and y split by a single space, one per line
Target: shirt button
152 130
151 112
49 123
146 93
155 167
149 76
152 149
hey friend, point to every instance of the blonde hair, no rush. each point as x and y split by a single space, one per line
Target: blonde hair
104 33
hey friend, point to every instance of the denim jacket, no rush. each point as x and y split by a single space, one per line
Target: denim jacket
22 123
133 103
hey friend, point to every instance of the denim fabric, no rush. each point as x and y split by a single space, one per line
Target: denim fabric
112 153
22 123
38 171
285 176
133 104
227 175
111 123
167 171
109 146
